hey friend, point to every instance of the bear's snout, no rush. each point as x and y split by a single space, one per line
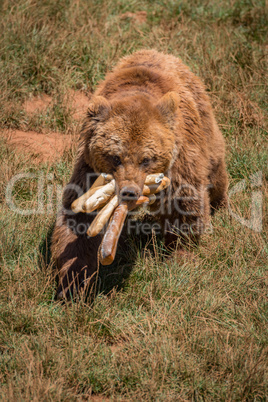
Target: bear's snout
129 193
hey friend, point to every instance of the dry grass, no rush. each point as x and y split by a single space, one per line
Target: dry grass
194 330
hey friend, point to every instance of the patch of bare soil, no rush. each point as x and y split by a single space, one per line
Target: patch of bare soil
78 103
37 104
43 146
47 146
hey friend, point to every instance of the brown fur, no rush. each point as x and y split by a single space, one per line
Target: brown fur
153 114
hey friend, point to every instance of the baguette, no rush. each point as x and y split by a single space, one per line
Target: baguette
102 179
102 218
109 242
146 190
100 197
157 187
154 178
77 205
104 214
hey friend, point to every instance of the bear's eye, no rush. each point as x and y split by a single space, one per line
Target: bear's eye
145 162
116 160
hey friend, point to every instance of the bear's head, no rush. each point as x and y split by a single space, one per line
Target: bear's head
131 137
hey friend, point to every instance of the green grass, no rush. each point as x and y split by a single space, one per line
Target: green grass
189 330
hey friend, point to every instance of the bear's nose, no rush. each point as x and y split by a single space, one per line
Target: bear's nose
129 193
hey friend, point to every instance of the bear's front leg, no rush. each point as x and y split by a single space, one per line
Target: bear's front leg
75 254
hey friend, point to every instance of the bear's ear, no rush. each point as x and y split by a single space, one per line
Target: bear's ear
98 108
168 105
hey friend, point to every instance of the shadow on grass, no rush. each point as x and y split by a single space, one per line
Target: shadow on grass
45 256
116 275
111 277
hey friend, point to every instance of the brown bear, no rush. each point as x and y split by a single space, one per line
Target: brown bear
151 114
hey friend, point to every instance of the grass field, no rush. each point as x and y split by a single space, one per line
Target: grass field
189 331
